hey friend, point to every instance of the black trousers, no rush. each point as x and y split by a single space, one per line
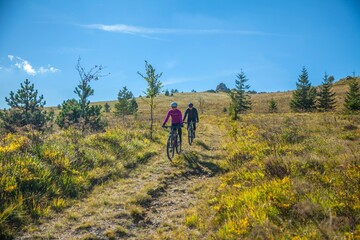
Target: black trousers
178 127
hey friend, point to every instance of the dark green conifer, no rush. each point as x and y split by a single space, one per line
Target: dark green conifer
273 106
26 108
304 97
352 99
240 98
326 98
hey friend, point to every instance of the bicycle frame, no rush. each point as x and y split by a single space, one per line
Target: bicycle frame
172 142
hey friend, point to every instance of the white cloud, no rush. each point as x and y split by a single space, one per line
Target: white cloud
24 65
48 69
146 32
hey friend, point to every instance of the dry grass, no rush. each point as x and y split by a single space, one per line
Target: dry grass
214 103
291 175
229 162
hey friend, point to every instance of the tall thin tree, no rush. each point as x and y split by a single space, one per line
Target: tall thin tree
304 97
352 99
326 98
84 90
153 89
240 98
90 116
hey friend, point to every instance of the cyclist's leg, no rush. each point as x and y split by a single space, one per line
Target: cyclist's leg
173 129
180 132
194 125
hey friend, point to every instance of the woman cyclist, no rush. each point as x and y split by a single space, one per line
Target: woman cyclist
176 118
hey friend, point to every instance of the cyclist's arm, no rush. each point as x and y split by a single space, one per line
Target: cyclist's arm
186 113
166 118
181 119
196 115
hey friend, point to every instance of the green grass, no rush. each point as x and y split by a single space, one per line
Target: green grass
39 173
290 176
281 175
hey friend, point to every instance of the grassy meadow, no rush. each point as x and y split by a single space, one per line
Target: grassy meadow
290 176
273 175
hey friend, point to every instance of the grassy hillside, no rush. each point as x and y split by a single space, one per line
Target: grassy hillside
215 103
291 176
274 176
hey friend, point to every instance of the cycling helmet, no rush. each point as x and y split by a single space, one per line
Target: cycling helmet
191 105
173 104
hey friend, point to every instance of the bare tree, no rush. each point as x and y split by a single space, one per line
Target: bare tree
153 89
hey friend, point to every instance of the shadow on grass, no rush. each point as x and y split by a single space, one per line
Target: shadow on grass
199 167
202 144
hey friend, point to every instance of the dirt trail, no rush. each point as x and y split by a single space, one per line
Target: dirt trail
151 203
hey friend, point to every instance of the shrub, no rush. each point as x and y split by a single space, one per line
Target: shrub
26 109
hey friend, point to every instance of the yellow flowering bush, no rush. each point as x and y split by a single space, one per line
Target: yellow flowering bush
12 143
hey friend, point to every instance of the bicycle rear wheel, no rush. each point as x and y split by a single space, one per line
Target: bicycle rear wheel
190 135
170 149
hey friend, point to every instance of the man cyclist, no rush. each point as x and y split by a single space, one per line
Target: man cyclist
176 119
192 115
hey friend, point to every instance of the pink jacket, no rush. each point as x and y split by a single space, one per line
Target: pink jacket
176 116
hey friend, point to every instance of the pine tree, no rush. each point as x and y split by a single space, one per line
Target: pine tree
133 106
240 99
352 99
90 115
70 114
326 98
84 90
304 96
126 104
273 106
167 93
153 89
26 108
107 107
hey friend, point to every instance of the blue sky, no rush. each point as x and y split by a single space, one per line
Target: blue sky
196 44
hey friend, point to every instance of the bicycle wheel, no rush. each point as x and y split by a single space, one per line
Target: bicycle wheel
170 148
190 135
178 145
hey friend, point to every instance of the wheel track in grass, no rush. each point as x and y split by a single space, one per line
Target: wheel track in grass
151 203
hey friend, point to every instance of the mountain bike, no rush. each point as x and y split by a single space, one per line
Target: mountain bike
191 132
173 143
